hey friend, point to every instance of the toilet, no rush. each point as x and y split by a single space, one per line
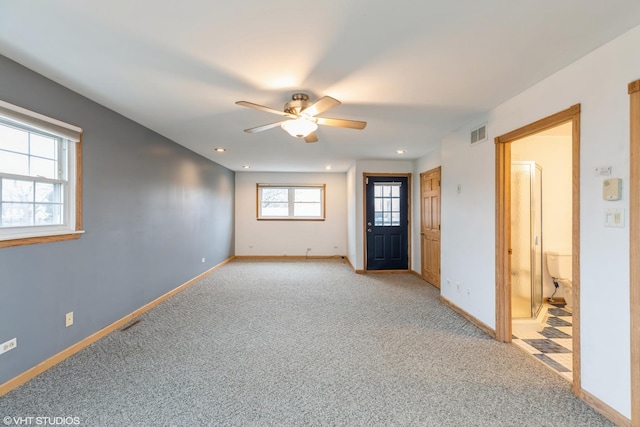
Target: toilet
559 266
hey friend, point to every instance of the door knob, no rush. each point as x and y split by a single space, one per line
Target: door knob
369 223
369 230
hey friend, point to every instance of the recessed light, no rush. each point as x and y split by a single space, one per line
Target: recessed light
220 149
246 166
328 168
401 151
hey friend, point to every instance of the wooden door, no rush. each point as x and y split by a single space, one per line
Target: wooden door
430 226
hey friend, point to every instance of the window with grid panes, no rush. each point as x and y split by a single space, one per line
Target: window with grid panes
386 204
295 202
38 169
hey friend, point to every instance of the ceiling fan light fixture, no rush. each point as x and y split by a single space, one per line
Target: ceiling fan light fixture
300 127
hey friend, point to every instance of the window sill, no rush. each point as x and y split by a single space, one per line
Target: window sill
290 219
61 236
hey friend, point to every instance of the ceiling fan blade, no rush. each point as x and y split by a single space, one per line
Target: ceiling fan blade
265 127
263 108
351 124
321 105
312 137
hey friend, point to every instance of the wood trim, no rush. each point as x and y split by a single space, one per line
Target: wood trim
605 410
503 238
40 239
290 219
79 177
289 257
78 208
389 271
540 125
365 175
257 200
364 221
575 252
73 349
409 221
480 325
634 248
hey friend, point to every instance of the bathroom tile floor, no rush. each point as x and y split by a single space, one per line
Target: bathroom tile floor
553 345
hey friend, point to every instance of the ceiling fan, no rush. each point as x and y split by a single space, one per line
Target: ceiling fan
301 120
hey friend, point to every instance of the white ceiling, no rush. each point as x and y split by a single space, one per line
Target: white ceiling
415 70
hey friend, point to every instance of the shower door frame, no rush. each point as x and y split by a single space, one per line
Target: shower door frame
634 250
535 238
503 231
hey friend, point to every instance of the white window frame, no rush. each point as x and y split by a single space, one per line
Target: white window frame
291 202
70 142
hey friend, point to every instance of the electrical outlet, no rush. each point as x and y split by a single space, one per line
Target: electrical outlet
203 260
68 319
9 345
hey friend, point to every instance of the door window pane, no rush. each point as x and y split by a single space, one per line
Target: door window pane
386 204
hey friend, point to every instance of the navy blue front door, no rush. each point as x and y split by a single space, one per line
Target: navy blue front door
387 223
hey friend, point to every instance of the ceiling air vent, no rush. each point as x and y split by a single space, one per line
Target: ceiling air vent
479 134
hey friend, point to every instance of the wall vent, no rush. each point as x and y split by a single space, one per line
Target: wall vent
479 134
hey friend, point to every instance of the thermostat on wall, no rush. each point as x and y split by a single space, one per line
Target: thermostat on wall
611 189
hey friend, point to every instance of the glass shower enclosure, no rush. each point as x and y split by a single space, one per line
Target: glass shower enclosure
526 239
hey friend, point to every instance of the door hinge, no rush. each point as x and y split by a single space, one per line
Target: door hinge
510 251
438 226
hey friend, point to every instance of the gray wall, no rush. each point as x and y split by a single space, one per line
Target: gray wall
152 211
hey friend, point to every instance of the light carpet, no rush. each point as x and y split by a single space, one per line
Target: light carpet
302 343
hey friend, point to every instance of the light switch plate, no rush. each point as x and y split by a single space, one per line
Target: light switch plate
614 217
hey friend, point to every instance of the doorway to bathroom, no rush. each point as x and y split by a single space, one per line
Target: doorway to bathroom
537 232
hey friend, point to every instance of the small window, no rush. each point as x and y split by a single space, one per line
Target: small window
39 192
387 204
295 202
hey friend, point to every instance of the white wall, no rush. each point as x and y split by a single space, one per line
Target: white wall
599 83
553 154
292 238
352 221
467 225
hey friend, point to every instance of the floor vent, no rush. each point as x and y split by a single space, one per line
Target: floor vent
130 325
479 134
